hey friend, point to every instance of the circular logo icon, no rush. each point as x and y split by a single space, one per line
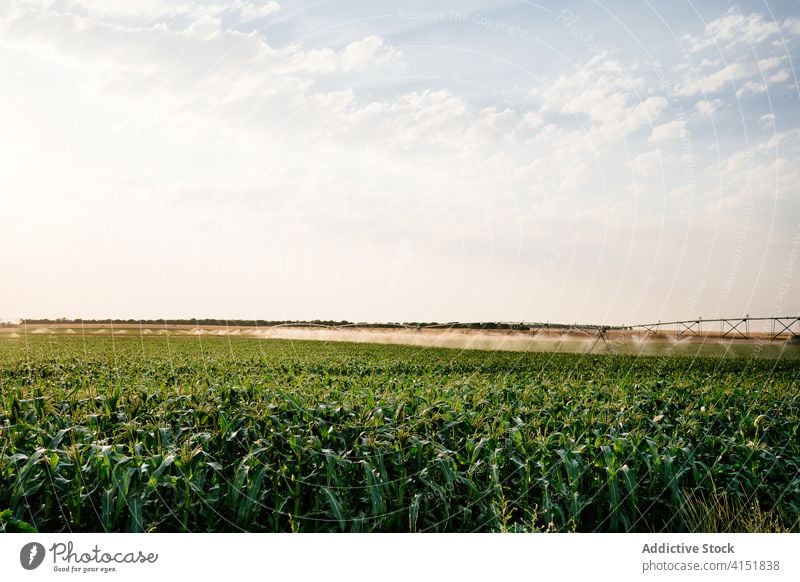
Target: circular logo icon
31 555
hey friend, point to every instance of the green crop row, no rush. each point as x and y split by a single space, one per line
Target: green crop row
213 434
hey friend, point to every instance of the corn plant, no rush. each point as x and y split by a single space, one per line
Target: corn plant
149 434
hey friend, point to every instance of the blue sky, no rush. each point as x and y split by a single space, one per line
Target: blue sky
442 161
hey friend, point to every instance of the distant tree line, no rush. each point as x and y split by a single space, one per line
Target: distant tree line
199 322
319 322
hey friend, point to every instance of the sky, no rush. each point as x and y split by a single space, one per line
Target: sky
391 161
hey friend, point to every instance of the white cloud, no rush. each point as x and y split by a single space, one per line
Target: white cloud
715 81
152 10
770 63
532 119
668 131
356 56
786 142
751 88
738 38
612 97
256 10
205 27
202 46
734 73
221 111
707 107
792 26
755 87
733 28
767 172
778 78
647 164
116 9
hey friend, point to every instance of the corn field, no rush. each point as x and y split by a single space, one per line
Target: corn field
99 434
